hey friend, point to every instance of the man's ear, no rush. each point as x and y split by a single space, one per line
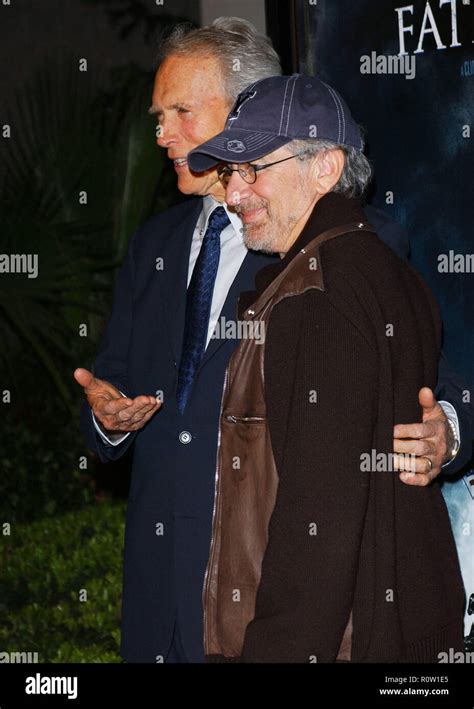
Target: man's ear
327 169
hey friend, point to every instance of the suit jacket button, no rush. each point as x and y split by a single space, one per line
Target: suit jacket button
185 437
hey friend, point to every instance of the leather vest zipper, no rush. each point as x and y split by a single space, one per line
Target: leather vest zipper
245 419
214 517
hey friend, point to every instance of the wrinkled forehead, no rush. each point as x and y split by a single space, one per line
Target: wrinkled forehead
185 79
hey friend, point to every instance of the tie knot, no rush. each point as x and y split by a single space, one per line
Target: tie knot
218 219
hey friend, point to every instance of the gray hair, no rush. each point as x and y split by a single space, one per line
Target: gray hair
357 171
244 55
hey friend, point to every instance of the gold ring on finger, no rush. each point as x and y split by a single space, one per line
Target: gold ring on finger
425 457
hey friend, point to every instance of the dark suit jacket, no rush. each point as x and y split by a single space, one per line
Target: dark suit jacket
169 515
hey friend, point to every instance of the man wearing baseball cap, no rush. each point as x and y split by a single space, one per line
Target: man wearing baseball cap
319 553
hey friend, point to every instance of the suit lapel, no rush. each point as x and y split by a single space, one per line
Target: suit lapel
174 277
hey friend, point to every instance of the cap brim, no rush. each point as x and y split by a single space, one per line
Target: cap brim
234 146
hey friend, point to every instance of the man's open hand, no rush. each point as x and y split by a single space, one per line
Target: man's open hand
429 441
116 413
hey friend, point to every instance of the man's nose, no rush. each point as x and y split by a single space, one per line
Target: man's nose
166 134
237 190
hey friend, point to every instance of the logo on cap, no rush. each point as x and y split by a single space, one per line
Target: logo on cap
235 146
241 99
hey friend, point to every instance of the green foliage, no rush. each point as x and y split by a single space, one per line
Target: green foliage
75 136
72 133
45 566
40 473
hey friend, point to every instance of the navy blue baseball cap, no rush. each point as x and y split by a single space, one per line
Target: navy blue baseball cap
273 112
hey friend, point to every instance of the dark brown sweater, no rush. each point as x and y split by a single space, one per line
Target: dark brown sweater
382 549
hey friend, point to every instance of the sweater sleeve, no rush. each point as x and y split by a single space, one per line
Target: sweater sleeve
321 394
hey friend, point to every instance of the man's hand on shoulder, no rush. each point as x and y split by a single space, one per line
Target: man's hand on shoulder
430 441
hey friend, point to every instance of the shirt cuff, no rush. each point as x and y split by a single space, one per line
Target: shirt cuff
451 414
115 439
112 439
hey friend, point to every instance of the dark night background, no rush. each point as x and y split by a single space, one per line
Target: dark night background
414 130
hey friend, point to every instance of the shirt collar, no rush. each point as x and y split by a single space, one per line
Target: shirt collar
208 206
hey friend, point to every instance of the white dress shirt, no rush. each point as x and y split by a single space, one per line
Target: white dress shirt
233 252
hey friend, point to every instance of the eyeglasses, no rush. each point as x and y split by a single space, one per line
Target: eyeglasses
247 170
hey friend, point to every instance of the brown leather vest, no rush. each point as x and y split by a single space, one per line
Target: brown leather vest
246 475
